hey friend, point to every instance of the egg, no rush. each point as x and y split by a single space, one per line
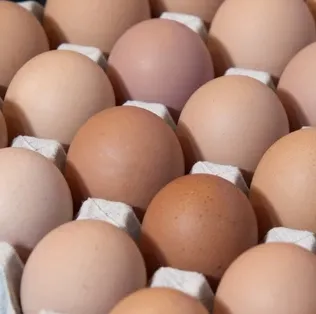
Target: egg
157 301
231 120
282 191
296 88
285 27
34 198
82 267
270 278
124 154
97 23
21 37
54 94
3 131
198 223
205 9
159 61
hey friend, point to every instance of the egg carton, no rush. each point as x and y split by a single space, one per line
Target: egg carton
158 109
50 149
191 283
116 213
230 173
93 53
33 7
191 21
261 76
11 269
302 238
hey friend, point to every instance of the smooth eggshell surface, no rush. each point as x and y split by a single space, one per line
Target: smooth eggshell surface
282 191
97 23
157 301
270 278
205 9
159 61
198 223
22 38
82 267
123 154
54 94
260 35
296 88
34 198
231 120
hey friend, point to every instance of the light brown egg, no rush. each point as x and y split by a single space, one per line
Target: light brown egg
282 191
159 61
260 35
34 198
205 9
296 88
157 301
124 154
54 94
97 23
198 223
21 38
231 120
82 267
276 278
3 130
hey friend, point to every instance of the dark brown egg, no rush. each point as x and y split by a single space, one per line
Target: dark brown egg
97 23
124 154
159 61
21 37
198 223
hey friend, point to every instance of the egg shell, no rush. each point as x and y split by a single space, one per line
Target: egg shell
296 88
270 278
98 265
33 7
205 9
54 94
159 61
97 23
22 38
282 190
231 120
34 198
198 223
159 300
285 27
123 154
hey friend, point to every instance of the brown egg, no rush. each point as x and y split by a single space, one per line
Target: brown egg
34 198
21 37
296 88
82 267
97 23
54 94
270 278
198 223
124 154
282 191
157 301
285 27
205 9
3 130
231 120
159 61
